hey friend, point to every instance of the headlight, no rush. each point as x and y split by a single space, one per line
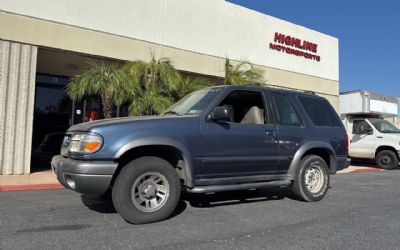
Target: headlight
85 143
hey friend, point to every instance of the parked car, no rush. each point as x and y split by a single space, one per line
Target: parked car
44 152
216 139
372 137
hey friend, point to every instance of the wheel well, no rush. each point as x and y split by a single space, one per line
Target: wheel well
321 152
168 153
380 148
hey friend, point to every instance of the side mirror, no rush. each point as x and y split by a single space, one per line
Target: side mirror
369 131
223 113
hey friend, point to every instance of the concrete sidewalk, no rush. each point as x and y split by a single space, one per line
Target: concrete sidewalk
34 181
48 180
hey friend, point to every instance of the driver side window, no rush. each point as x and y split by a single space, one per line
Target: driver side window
361 127
247 107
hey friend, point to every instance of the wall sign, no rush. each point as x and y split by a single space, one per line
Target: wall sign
295 46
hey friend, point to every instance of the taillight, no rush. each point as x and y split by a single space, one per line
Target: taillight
346 143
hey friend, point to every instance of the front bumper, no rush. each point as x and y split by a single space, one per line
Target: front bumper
84 176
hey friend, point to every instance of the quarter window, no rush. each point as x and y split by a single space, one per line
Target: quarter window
320 112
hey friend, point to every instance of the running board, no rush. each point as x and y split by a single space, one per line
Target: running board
244 186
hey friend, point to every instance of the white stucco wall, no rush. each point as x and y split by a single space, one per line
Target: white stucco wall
212 27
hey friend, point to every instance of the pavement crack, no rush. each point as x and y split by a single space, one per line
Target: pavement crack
55 228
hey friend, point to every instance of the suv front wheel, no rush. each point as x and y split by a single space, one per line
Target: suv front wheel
311 179
146 190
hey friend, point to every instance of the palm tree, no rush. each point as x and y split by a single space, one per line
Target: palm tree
189 84
153 83
105 80
149 103
242 73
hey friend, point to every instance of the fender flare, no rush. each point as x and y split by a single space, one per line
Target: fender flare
388 147
162 141
308 146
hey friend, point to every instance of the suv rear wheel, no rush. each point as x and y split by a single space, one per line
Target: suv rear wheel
387 159
312 179
146 190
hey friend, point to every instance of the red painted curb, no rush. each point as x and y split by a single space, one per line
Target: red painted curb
367 170
31 187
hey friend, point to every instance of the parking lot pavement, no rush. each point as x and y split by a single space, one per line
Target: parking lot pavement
48 180
360 211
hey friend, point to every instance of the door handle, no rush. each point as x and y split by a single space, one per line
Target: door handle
270 132
379 137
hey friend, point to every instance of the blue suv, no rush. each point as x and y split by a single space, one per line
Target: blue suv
216 139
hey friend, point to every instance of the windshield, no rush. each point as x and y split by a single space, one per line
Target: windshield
194 103
384 126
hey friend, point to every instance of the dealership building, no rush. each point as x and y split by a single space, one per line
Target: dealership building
43 43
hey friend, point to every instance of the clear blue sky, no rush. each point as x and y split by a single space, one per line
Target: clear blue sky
368 32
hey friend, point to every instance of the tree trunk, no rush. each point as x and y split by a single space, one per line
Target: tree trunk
107 107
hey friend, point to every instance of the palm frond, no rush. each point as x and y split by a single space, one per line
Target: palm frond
242 73
103 79
189 84
149 103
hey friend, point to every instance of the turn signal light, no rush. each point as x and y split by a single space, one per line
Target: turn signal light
92 146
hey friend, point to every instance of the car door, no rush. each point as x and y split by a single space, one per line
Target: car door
291 130
362 139
235 148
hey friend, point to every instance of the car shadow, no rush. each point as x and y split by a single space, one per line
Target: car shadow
364 163
369 164
105 205
98 203
236 197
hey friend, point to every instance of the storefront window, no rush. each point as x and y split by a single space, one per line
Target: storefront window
54 113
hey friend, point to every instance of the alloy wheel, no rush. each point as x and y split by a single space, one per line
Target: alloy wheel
150 191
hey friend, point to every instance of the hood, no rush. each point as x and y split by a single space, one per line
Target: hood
391 135
86 126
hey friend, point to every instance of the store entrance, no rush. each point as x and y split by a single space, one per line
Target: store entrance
54 113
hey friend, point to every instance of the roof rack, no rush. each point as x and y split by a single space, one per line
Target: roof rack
310 92
255 84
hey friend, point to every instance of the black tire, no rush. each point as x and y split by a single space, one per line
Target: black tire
131 209
387 159
311 165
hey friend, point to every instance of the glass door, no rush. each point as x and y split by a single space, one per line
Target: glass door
77 112
87 110
54 113
52 117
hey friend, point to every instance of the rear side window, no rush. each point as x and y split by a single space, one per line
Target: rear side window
286 112
320 112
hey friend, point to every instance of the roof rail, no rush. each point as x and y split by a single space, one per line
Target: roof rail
255 84
309 92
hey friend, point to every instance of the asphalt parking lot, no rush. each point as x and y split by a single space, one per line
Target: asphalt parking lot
360 211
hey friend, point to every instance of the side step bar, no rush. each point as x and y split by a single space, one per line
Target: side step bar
244 186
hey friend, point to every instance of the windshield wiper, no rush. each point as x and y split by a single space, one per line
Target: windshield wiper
172 112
